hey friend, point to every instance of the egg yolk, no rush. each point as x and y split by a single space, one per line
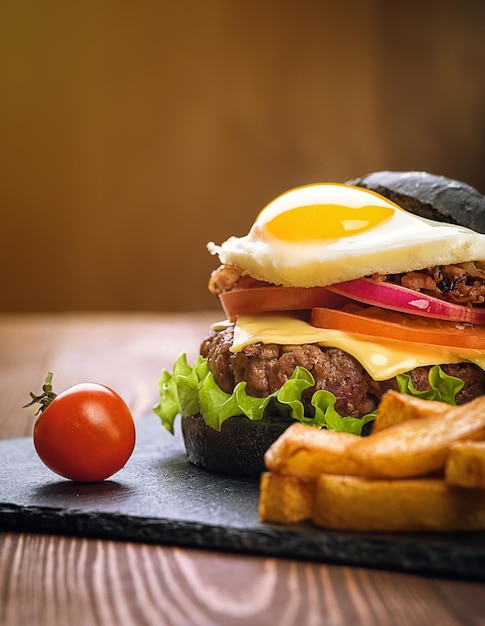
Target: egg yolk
326 221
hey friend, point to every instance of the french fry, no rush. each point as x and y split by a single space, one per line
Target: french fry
426 504
395 408
420 446
465 466
285 499
382 482
306 452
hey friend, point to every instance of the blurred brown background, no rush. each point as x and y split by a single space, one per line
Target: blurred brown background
132 133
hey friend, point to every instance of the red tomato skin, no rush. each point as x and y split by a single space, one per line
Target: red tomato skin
86 434
274 298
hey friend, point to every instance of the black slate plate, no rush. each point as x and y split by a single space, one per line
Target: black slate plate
160 498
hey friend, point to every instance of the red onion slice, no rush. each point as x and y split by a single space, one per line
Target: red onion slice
398 298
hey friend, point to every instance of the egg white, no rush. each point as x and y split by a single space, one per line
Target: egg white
403 243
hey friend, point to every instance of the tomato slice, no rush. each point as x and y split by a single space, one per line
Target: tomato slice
266 299
381 323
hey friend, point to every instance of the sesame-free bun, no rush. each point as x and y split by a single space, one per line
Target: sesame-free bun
429 195
237 449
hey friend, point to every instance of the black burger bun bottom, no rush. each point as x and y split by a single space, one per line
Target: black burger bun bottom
237 449
430 196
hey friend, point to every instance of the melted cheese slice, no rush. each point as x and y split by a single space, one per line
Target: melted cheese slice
382 360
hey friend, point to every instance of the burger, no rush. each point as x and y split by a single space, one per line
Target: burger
338 293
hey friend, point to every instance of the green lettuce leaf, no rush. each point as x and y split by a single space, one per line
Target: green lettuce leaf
190 390
179 390
327 417
443 387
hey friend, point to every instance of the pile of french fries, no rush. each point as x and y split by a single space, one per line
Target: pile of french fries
421 469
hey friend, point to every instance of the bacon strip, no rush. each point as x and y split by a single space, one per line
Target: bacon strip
229 277
462 283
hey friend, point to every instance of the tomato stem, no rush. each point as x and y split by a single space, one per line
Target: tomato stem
45 398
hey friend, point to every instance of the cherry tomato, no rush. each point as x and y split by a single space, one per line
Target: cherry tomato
85 433
377 323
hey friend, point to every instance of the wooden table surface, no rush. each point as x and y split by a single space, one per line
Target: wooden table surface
47 580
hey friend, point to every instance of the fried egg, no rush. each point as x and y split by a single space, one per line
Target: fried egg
327 233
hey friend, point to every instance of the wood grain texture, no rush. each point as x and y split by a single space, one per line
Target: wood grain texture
47 579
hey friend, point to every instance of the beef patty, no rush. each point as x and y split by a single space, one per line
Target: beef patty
265 368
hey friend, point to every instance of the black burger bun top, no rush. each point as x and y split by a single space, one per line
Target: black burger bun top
430 196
